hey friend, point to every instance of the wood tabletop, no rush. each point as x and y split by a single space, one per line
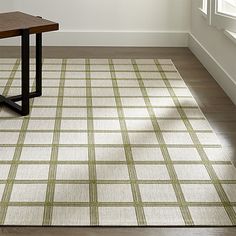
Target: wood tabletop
11 24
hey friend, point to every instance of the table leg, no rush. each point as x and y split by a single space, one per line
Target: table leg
39 64
25 76
25 71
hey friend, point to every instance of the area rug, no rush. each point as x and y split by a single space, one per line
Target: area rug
112 142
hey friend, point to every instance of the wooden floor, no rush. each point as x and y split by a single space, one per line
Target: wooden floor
217 107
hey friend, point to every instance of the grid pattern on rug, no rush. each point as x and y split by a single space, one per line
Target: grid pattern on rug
111 142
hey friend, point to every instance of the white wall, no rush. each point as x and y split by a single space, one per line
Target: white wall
6 5
216 52
113 22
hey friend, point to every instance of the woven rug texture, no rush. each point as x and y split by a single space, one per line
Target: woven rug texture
112 142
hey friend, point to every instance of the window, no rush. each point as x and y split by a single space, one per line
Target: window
227 7
205 10
223 14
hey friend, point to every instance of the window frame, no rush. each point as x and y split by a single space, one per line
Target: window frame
206 12
219 2
220 20
204 6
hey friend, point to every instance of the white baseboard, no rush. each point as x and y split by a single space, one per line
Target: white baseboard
116 38
213 66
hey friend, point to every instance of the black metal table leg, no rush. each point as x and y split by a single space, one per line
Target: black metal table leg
25 71
25 95
25 76
39 64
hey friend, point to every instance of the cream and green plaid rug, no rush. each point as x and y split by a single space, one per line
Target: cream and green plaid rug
111 142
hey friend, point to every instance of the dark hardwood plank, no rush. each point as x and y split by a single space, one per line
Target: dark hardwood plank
228 127
99 231
220 116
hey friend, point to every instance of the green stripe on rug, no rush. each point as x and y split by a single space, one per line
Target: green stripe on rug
17 153
94 217
176 186
48 208
128 152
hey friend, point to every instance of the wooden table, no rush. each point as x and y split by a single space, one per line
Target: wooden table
14 24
